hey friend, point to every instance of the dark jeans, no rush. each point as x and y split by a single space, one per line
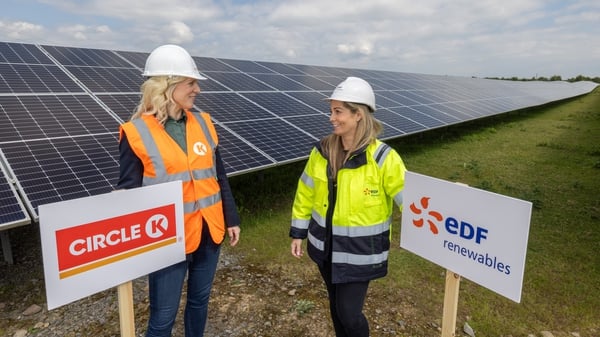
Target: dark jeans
165 287
346 301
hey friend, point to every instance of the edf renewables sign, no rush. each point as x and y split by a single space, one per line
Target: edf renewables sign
479 235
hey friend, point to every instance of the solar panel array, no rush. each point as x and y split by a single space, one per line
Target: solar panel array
61 107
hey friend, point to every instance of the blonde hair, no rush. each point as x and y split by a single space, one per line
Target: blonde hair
367 130
157 97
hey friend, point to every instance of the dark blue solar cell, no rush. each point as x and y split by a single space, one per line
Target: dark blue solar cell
281 68
248 67
12 212
455 110
64 168
237 82
137 59
401 84
313 82
34 117
238 156
280 104
316 125
276 138
86 57
398 96
280 82
337 72
22 53
121 105
208 64
393 118
98 79
332 80
310 70
381 84
228 107
418 117
417 97
316 100
431 111
384 102
26 78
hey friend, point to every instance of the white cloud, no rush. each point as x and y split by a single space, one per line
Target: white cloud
459 37
140 10
179 32
21 30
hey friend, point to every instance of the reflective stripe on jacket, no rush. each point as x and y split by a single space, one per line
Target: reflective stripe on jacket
348 222
164 161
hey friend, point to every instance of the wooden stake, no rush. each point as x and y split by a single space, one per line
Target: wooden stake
450 304
126 316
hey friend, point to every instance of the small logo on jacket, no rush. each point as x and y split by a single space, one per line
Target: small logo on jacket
199 148
371 192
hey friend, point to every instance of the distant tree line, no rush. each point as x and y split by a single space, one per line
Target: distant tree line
578 78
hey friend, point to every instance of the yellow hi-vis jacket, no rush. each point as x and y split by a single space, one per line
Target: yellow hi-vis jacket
348 221
164 161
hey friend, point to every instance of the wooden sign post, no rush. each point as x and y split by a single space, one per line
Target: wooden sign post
126 315
450 304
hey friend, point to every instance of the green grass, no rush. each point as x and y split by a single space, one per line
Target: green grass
548 155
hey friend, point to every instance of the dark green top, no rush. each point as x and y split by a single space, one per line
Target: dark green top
176 129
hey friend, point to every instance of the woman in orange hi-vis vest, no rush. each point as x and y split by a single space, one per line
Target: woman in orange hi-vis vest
165 141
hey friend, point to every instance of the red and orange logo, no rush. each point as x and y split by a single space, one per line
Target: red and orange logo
95 244
422 215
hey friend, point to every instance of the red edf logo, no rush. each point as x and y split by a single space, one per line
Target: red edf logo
419 210
452 226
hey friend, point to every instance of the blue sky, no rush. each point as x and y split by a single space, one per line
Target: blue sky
483 38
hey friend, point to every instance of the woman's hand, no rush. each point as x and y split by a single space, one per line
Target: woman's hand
234 235
297 248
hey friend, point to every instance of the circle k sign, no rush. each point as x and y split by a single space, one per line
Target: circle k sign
95 244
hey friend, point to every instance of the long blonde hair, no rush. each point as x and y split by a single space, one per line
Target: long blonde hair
367 130
157 97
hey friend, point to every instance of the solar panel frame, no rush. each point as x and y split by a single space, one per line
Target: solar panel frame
12 211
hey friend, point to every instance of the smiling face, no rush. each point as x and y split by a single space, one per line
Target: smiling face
343 120
185 93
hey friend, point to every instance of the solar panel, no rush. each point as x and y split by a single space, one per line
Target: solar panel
63 168
61 107
12 210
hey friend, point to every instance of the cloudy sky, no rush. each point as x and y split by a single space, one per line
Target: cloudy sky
484 38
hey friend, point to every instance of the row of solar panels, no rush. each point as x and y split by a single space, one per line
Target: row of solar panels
60 110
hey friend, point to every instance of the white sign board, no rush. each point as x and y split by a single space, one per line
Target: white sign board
479 235
95 243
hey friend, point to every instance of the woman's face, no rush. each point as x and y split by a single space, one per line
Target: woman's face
342 119
185 93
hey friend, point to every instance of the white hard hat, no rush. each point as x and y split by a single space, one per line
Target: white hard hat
355 90
171 60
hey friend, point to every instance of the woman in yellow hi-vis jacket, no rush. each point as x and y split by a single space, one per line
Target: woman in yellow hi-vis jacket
344 203
165 141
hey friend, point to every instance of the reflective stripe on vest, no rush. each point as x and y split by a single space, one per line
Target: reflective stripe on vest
201 197
380 154
359 260
161 171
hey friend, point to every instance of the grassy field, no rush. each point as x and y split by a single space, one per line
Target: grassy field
548 155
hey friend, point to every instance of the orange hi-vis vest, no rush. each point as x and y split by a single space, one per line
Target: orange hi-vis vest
164 161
